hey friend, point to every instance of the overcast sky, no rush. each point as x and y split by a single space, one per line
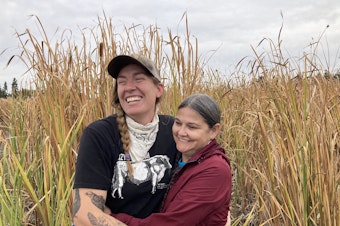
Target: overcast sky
230 26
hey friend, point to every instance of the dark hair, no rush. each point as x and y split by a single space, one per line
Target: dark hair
205 106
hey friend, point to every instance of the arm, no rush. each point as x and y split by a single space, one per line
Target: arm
88 208
199 197
94 169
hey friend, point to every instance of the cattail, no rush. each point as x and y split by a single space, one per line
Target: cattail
101 47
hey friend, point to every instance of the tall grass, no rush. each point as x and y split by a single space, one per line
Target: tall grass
281 123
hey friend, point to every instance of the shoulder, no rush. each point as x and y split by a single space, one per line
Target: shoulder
166 120
217 163
165 125
102 126
103 123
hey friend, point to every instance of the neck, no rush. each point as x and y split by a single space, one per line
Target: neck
142 120
185 158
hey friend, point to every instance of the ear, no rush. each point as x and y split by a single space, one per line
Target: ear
215 130
160 90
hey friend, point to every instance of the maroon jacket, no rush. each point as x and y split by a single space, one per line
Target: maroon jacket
200 193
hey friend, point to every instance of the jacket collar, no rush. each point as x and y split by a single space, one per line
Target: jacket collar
213 148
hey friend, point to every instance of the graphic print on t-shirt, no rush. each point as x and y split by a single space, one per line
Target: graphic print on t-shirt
150 169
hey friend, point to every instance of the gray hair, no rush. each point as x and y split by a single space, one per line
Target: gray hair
205 106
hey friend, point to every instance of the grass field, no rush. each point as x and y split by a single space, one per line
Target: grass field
281 124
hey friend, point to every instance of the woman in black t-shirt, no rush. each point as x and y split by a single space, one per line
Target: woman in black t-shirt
124 160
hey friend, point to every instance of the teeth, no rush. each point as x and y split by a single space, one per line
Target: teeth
131 99
183 139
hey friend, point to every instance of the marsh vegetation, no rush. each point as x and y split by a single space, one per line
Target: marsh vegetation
281 123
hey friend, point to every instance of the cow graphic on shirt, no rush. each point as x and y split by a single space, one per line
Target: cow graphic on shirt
150 169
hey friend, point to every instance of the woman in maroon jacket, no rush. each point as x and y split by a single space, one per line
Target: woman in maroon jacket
200 190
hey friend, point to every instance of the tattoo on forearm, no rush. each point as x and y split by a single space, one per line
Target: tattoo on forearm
76 202
97 200
97 221
101 221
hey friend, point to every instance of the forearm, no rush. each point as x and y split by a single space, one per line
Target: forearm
89 209
90 218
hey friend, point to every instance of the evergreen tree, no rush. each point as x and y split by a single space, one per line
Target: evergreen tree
15 88
5 88
2 93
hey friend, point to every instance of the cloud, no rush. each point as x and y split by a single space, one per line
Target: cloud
227 27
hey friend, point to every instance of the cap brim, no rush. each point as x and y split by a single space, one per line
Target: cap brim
119 62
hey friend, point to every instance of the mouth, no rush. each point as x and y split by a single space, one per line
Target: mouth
133 99
183 139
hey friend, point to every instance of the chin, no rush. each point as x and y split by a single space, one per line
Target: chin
134 112
181 149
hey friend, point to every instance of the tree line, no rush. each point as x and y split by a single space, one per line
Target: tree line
15 91
4 93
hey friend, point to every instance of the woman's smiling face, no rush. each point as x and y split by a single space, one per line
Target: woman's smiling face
137 93
191 132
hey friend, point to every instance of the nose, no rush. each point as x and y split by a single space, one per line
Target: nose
181 131
130 85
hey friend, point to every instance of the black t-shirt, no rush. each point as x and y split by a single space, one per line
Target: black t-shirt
101 165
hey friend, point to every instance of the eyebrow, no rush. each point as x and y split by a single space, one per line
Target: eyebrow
194 124
188 123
